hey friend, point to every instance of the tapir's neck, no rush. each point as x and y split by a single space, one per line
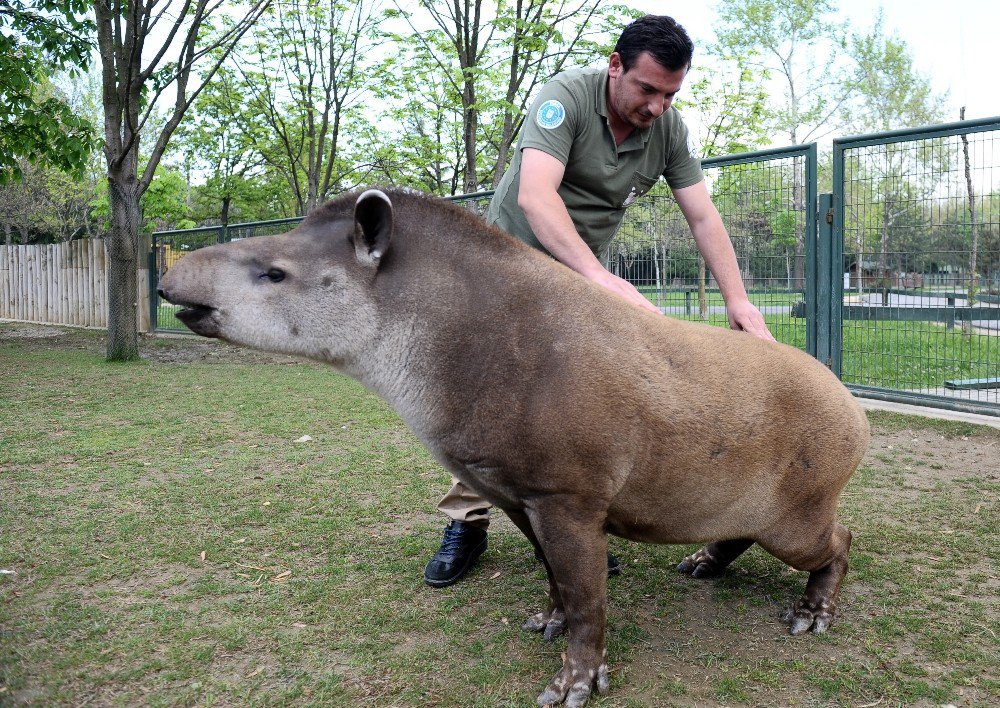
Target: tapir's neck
460 346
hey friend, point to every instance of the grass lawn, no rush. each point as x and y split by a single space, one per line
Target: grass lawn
172 543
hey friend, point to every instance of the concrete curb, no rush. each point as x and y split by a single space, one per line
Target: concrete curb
928 412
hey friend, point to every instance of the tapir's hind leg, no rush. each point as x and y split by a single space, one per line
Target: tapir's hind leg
551 622
713 558
827 563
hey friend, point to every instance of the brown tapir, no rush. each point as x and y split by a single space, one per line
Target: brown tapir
572 410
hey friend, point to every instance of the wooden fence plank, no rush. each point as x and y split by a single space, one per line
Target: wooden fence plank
64 283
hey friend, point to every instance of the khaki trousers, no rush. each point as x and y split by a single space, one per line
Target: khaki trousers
463 504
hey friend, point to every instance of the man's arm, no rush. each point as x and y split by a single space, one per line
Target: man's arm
713 241
541 175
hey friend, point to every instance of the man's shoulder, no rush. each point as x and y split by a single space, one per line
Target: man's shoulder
578 78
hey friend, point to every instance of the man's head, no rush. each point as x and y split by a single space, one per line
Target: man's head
646 70
662 37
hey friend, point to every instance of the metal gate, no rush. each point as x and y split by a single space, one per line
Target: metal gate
917 216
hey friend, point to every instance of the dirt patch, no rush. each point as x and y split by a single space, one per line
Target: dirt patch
31 331
928 458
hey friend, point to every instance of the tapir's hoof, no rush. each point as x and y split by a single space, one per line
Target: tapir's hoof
804 616
572 686
701 565
551 624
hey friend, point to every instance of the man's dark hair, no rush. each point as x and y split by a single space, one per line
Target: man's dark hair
659 35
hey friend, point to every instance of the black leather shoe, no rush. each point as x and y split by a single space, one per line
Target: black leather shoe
461 546
614 565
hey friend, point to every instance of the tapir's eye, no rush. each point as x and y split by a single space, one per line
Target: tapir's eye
275 275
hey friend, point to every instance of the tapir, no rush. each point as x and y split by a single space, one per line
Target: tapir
569 408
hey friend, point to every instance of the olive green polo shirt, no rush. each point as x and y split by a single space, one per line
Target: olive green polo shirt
569 120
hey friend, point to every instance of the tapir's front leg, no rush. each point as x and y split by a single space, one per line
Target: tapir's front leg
576 554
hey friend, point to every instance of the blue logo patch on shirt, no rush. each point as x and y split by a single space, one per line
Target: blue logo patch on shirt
550 114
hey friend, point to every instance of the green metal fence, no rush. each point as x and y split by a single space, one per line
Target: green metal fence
764 199
918 215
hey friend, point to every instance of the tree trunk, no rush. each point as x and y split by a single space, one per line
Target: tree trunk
123 251
471 126
226 201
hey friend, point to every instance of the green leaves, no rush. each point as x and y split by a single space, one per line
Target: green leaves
38 37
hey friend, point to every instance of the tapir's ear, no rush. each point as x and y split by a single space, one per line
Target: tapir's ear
372 227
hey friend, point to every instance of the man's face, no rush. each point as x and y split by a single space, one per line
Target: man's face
639 96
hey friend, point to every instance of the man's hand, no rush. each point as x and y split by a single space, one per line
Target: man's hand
623 288
745 317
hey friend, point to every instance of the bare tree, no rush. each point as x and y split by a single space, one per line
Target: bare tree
514 46
303 72
148 47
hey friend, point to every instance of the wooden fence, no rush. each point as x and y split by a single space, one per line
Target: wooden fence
63 283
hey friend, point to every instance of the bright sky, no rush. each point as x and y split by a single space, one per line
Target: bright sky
955 42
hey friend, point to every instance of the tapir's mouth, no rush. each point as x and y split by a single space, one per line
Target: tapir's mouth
193 313
198 319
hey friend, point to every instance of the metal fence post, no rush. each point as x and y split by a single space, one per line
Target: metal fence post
154 297
821 312
835 222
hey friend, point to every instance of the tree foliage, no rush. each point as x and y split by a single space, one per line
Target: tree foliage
797 44
487 60
37 38
304 73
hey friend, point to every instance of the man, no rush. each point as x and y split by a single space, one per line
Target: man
593 141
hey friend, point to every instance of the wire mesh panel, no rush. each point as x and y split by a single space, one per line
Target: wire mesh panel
921 270
763 200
